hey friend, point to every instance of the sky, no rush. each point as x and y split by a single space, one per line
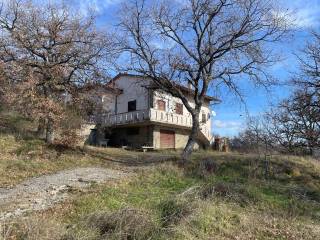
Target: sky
230 113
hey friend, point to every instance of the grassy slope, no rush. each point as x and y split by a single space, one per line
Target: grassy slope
21 159
23 156
164 202
234 201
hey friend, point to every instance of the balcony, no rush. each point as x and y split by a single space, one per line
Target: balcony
150 115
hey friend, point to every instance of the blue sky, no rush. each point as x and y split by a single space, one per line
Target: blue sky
230 114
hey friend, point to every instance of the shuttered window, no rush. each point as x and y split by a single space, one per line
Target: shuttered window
204 120
179 108
161 105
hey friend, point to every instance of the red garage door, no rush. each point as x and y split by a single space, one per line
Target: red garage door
167 139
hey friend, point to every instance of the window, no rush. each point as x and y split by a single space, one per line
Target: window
132 106
133 131
179 108
204 120
161 105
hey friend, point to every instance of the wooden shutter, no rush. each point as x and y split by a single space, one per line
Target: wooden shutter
179 108
167 139
161 105
204 120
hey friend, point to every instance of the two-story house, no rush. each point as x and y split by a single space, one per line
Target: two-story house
138 114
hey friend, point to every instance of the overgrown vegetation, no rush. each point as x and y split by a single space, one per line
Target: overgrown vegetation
233 201
217 195
24 155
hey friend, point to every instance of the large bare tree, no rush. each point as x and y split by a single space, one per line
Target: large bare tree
47 52
280 128
309 59
298 119
205 43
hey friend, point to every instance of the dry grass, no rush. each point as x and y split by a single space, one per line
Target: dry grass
219 220
23 156
218 195
228 203
21 159
45 225
234 201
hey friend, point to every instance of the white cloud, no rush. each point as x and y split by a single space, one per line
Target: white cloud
303 14
235 125
99 6
227 128
305 17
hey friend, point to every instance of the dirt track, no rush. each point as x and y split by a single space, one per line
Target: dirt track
42 192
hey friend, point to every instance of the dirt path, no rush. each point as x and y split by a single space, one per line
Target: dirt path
42 192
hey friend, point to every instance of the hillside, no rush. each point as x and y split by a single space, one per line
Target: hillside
232 201
22 155
218 196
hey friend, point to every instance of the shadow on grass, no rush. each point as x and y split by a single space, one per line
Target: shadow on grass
132 158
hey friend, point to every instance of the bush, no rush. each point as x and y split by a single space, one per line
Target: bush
231 191
68 128
68 137
203 168
128 223
173 210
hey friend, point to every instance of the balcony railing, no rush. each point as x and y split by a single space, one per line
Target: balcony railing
151 115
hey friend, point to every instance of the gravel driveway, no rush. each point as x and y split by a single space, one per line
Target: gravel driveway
42 192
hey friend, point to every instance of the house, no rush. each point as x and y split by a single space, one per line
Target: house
135 114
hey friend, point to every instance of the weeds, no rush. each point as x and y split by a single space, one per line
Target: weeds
227 203
173 210
220 196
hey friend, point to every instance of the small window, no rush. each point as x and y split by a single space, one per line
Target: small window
179 108
132 106
133 131
204 120
161 105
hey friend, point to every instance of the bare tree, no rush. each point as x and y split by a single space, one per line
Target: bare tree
298 117
205 43
303 113
47 52
281 129
293 126
309 58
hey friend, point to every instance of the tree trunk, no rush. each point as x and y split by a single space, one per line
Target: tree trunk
192 139
41 131
50 131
